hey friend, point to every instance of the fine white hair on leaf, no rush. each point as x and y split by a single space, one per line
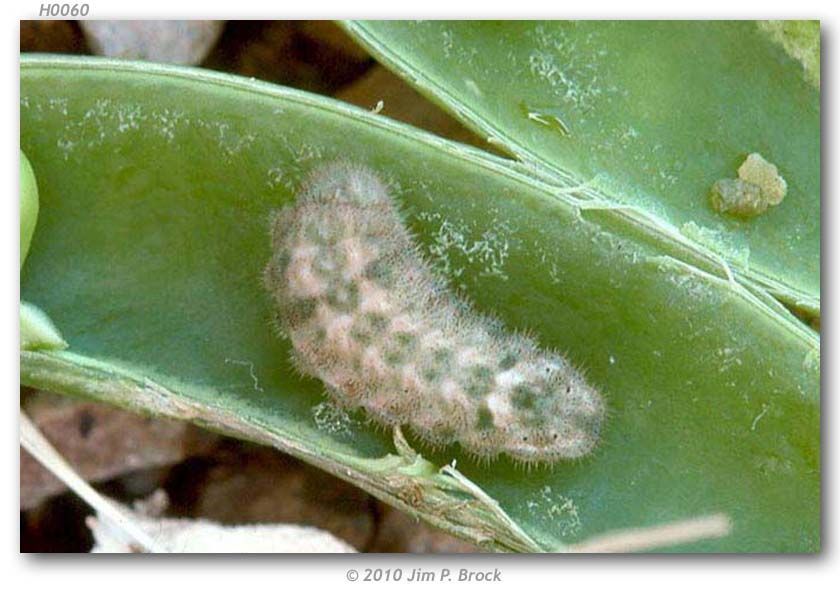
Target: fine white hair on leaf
369 317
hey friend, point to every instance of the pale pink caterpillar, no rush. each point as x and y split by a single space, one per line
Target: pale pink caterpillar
367 315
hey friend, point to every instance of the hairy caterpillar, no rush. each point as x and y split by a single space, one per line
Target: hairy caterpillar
366 315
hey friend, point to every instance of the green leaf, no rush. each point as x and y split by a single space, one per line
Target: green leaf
649 114
156 188
28 206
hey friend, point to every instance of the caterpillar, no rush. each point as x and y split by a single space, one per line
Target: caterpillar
368 316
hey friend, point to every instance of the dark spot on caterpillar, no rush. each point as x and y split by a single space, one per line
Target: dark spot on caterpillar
378 270
523 398
404 340
360 333
440 363
344 299
482 372
485 418
302 309
431 374
276 269
442 356
480 382
394 358
508 361
376 322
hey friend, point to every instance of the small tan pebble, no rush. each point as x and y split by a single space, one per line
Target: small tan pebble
737 197
758 187
765 175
